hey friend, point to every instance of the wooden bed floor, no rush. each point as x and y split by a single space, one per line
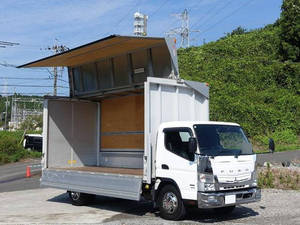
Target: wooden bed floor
96 169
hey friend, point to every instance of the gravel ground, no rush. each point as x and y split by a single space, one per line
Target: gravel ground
51 206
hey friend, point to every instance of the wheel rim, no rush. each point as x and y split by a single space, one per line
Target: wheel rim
75 195
170 202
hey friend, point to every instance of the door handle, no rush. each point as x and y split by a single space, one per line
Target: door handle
164 166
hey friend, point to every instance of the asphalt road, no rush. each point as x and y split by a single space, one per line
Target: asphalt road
18 184
52 206
12 176
278 157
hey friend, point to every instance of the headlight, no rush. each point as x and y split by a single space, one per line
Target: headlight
209 187
206 182
206 178
254 178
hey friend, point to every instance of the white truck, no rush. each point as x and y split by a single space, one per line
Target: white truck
133 129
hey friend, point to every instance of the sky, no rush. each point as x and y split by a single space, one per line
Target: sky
39 24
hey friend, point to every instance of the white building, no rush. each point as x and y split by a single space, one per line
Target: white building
140 24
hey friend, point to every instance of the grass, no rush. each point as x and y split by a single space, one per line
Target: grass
284 141
20 154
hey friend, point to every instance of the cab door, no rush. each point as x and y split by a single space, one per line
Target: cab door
173 161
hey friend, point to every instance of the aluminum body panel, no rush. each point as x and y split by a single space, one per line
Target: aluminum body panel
122 159
45 135
72 129
171 43
112 185
106 47
168 100
202 88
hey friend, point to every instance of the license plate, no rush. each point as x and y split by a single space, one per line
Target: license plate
229 199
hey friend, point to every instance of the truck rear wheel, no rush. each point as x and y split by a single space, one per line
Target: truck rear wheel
170 204
79 198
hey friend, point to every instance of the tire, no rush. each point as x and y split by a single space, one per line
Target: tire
79 199
225 210
170 203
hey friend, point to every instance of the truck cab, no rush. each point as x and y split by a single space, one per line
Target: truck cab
210 164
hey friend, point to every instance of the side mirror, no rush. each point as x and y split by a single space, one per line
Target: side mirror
192 145
271 145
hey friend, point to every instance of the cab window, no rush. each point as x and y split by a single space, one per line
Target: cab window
177 141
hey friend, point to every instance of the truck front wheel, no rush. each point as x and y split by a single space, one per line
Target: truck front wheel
170 204
79 198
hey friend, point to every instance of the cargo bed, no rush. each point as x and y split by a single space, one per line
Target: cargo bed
113 182
106 170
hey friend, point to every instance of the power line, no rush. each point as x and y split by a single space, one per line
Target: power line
24 78
28 93
226 17
23 85
206 14
155 11
212 16
123 18
8 65
184 31
5 64
173 23
27 78
4 44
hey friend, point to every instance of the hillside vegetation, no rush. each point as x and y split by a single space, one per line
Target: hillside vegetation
250 84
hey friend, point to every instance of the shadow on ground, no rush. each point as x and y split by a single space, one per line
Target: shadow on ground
131 209
209 216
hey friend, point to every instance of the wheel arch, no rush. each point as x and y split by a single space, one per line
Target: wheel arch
166 181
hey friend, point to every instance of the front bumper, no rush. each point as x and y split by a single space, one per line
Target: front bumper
217 199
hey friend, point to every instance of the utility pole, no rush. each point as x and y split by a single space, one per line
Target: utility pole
6 105
55 81
56 50
183 31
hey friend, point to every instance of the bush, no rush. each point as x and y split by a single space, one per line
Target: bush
280 137
249 84
11 150
289 47
9 145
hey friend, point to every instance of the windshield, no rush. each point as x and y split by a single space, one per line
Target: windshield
216 140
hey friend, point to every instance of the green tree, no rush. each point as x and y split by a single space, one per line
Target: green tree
239 30
289 47
32 123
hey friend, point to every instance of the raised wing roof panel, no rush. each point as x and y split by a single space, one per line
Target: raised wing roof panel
107 47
